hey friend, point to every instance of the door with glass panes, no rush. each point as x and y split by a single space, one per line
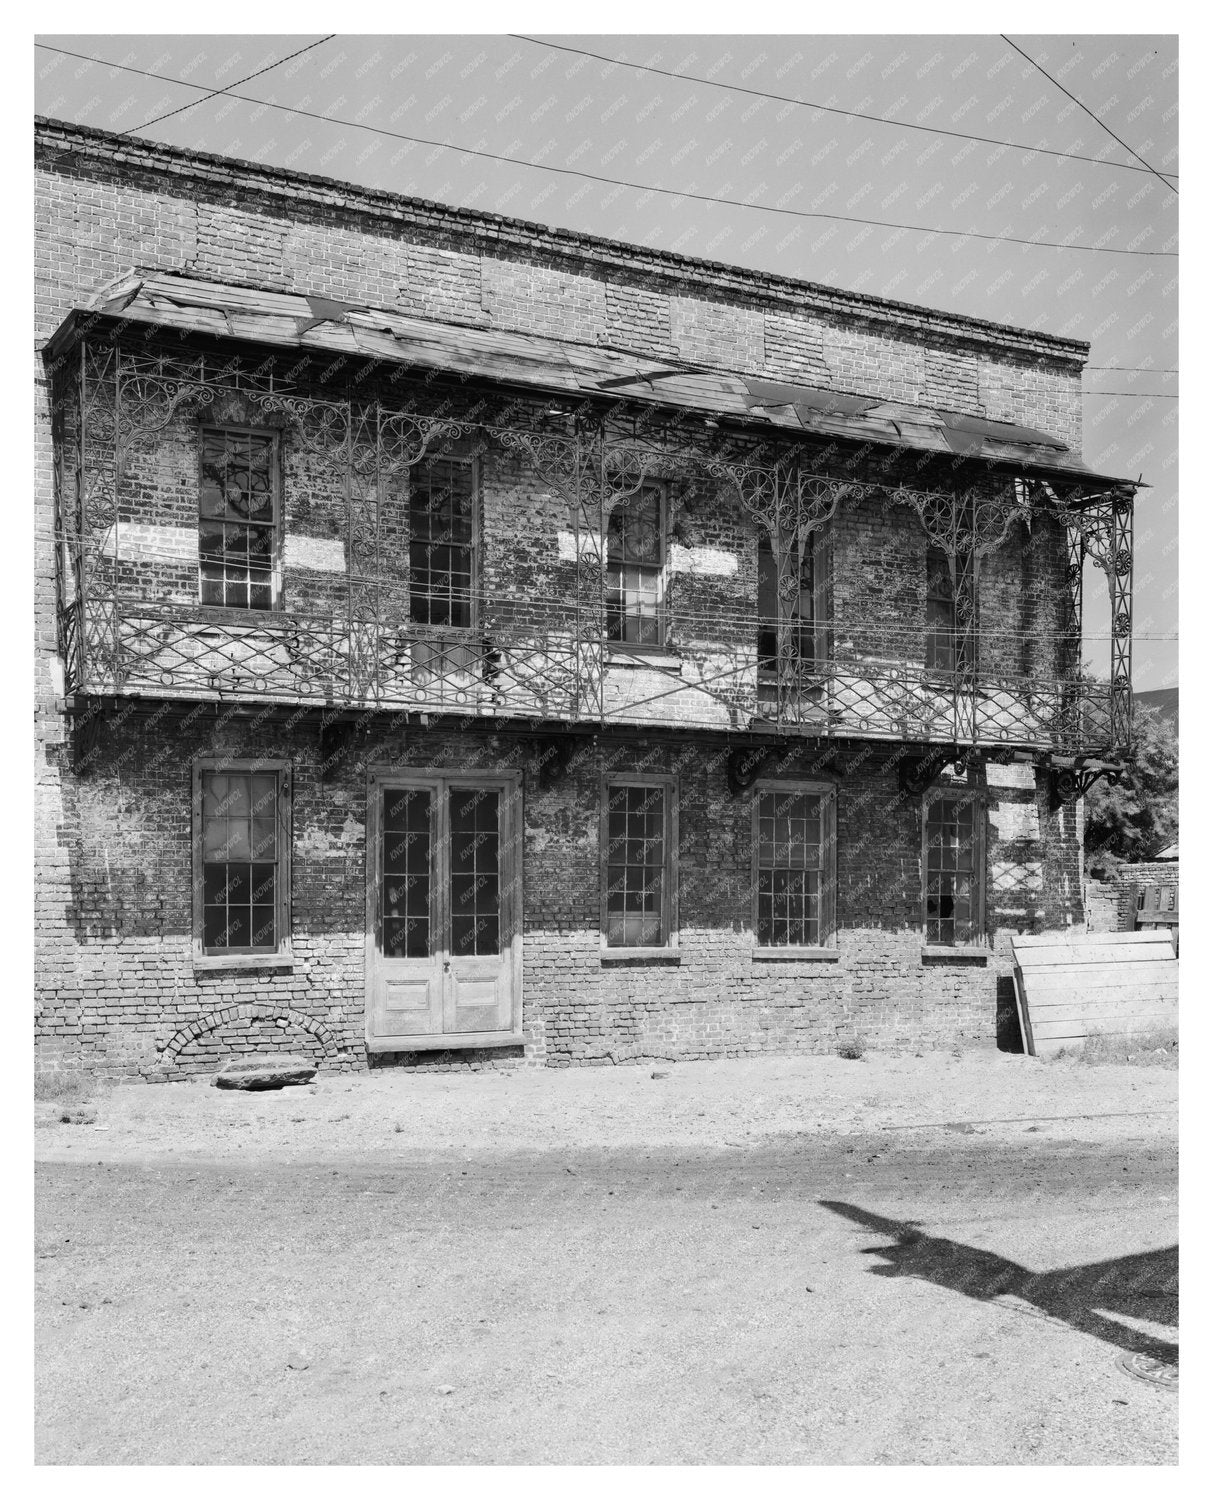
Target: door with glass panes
444 928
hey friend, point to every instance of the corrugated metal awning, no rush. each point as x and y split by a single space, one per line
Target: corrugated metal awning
558 368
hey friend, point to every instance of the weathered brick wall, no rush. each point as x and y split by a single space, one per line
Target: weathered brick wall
117 991
143 1010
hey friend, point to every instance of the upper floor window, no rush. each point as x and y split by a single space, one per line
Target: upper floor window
238 518
635 605
799 614
442 543
953 868
946 648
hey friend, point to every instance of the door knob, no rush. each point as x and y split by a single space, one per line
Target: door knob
447 966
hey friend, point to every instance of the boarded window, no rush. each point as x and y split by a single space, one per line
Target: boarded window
638 863
634 578
442 544
237 519
953 869
793 865
242 893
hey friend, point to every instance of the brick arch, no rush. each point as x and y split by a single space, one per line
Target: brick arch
257 1010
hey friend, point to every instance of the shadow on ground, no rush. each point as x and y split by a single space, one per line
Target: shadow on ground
1144 1286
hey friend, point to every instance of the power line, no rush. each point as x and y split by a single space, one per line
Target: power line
1093 115
1144 369
1145 395
640 187
830 109
216 92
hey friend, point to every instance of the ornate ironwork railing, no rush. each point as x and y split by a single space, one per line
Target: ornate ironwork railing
548 658
555 666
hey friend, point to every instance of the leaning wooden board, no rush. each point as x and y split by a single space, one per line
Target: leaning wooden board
1069 986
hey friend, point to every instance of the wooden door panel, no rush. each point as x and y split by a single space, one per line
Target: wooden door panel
443 911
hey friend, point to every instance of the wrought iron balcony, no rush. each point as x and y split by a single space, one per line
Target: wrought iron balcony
552 663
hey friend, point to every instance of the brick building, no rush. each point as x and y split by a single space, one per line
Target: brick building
464 642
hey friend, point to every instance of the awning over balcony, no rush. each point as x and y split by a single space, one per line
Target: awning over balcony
557 368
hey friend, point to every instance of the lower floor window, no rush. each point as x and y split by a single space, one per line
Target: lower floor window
953 869
639 841
793 865
241 860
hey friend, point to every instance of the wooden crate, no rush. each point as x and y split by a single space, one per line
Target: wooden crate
1071 985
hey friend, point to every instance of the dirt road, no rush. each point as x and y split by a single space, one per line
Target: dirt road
790 1261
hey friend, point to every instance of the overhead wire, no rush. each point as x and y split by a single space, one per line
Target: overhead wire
215 93
682 194
1101 123
829 109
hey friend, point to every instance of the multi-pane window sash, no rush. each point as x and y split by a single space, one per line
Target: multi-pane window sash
953 869
634 563
237 520
639 863
442 543
800 614
945 643
241 860
793 865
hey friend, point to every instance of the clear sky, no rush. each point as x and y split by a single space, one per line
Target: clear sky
693 115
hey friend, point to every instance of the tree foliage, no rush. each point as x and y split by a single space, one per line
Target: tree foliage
1134 818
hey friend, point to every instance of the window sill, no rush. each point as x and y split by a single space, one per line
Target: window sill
207 961
960 954
644 955
658 658
795 955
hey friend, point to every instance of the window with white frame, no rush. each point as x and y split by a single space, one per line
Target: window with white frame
639 845
635 563
794 864
953 868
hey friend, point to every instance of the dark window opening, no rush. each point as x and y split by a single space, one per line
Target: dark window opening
240 859
442 536
635 555
946 646
952 871
799 613
237 530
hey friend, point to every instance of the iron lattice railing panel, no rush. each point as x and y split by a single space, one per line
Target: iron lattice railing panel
547 658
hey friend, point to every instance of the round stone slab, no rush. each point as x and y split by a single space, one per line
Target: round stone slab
1146 1367
265 1072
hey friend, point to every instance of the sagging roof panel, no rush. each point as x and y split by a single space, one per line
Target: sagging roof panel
299 321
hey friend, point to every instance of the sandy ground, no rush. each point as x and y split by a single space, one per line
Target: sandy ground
894 1260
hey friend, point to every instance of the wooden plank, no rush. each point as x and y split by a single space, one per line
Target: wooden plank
1044 959
1021 1007
1102 1005
1111 976
1045 1031
1072 937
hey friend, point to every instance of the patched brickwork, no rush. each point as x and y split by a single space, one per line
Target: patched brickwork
118 989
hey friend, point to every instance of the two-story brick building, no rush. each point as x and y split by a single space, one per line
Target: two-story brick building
466 641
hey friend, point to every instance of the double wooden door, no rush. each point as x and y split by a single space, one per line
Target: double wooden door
444 911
